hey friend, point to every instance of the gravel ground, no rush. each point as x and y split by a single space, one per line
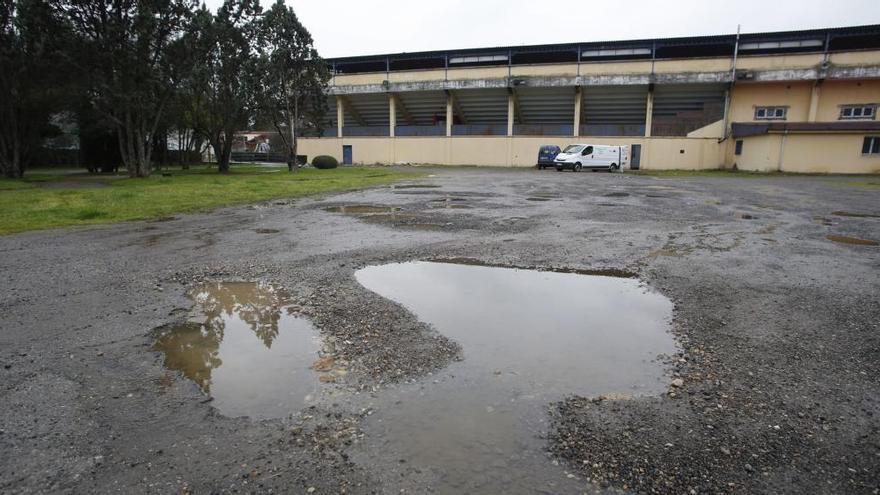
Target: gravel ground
776 388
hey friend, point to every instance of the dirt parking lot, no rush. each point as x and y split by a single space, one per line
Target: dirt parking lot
772 383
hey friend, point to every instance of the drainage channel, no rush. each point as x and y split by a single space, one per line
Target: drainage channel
528 338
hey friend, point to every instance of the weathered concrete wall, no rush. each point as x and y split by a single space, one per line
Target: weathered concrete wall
766 68
807 153
519 151
713 130
746 96
833 94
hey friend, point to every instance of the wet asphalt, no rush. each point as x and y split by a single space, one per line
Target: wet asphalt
775 390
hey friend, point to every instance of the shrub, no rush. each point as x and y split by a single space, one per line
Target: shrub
324 162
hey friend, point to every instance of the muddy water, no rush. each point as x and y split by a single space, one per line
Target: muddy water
243 347
528 338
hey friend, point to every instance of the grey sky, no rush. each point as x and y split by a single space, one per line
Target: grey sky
374 27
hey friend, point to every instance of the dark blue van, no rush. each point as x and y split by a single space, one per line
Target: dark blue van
546 155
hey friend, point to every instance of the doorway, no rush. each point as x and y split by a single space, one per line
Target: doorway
635 158
347 158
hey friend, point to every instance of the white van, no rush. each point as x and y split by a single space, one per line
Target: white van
593 156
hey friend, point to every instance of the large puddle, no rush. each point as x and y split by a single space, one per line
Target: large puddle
528 338
244 346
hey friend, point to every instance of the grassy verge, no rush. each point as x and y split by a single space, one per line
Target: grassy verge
49 200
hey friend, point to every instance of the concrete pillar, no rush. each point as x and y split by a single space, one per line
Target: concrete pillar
814 102
392 115
340 115
449 115
649 115
577 111
511 104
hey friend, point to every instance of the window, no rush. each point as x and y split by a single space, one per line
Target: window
858 112
478 59
871 145
587 151
622 52
781 45
770 113
738 150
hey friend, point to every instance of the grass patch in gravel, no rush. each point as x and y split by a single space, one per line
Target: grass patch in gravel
27 204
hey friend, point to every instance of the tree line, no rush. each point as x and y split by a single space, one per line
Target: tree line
141 69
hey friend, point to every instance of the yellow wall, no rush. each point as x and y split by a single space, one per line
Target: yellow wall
832 94
692 65
807 153
520 151
864 57
774 62
746 96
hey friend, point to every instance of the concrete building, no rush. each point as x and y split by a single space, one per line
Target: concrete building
800 101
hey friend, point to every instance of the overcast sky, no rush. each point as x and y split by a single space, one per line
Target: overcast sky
365 27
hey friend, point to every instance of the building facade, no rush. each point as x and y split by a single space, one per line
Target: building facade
801 101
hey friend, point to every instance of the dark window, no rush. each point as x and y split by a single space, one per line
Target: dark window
871 145
770 113
588 151
857 112
739 147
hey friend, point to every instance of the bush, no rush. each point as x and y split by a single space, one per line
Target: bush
324 162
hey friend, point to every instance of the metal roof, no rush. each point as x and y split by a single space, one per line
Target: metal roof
834 39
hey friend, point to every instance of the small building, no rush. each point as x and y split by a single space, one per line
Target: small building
681 103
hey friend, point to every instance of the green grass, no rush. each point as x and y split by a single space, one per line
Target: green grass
875 184
25 205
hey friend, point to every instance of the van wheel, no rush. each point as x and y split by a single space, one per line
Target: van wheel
577 167
613 167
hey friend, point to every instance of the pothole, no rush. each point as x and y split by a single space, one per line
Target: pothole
852 240
528 338
266 231
616 195
537 198
361 209
244 345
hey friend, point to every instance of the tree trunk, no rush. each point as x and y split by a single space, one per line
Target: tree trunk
223 149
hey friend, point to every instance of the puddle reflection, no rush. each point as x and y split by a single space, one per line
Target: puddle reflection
244 347
528 338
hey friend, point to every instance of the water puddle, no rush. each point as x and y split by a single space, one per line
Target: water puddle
417 186
855 215
266 231
361 209
449 206
245 347
852 240
616 195
528 338
537 198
